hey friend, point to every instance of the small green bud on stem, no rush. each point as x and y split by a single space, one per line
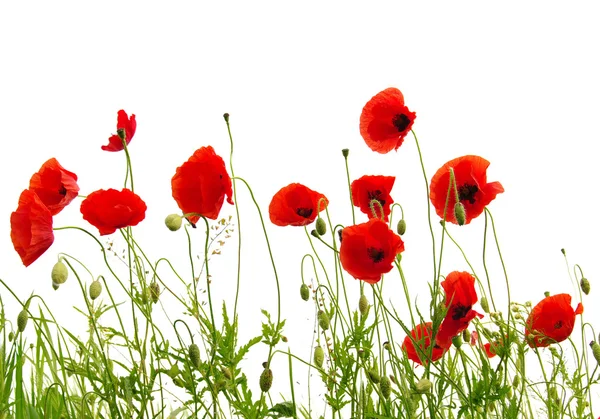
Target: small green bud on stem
401 227
173 222
323 320
266 380
304 292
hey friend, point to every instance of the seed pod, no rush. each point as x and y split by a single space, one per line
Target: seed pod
595 351
266 380
22 320
95 289
585 286
173 222
321 226
323 320
194 354
59 274
385 386
363 305
319 356
459 213
401 227
373 375
304 292
154 291
423 385
484 304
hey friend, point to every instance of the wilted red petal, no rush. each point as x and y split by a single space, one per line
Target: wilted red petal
54 185
296 205
109 210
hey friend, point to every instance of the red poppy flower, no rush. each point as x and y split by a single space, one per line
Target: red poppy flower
200 185
31 227
128 125
296 205
471 182
368 188
385 121
369 249
460 298
108 210
422 335
54 185
490 350
551 320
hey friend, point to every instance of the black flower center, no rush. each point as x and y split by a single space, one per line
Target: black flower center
376 255
62 190
377 196
467 192
304 212
558 324
400 121
459 311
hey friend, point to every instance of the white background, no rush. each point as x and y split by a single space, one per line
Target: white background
515 83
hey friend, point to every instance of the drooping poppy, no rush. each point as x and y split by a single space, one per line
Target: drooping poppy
201 184
551 320
296 205
460 298
368 188
54 185
474 192
127 125
109 210
385 121
421 334
31 227
368 250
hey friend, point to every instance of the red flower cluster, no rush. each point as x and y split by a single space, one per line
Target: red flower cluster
551 320
50 190
201 184
369 249
296 205
421 334
385 121
368 188
471 182
109 210
126 126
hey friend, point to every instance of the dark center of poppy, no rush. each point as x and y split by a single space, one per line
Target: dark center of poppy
558 324
459 311
400 121
377 196
467 192
304 212
62 190
376 255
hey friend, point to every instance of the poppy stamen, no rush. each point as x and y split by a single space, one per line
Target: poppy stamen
304 212
401 122
376 255
467 192
459 311
558 324
62 190
377 196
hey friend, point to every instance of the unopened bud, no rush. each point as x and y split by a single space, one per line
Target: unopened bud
546 294
266 380
459 213
385 386
423 385
345 152
194 354
321 226
595 351
95 289
373 375
22 320
585 286
484 304
401 227
363 305
173 222
227 373
457 341
466 335
304 292
323 320
154 291
59 274
173 371
516 381
11 336
319 356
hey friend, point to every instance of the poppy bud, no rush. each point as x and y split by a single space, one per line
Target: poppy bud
59 273
595 351
227 373
484 304
304 292
459 213
585 286
363 305
266 380
546 294
173 222
319 356
95 289
516 381
173 371
154 291
11 336
385 386
423 385
393 379
220 385
194 354
466 335
321 226
457 341
373 375
323 319
345 152
22 320
401 227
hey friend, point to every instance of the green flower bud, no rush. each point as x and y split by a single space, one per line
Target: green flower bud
304 292
321 226
423 385
220 385
457 341
546 293
345 152
385 386
173 222
595 351
466 335
154 291
194 354
585 286
95 289
401 227
323 320
373 375
11 336
173 371
227 373
22 320
459 213
266 380
516 381
319 356
59 274
484 304
363 305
